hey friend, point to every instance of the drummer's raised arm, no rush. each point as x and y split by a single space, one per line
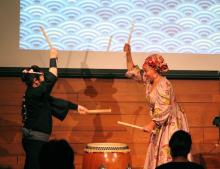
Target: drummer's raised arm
127 50
134 71
53 61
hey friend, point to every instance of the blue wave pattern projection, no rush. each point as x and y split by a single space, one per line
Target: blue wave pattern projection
174 26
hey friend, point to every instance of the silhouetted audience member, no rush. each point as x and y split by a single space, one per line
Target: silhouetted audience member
180 146
56 154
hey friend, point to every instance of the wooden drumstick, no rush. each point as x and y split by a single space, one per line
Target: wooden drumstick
100 111
46 37
134 126
130 34
109 43
130 125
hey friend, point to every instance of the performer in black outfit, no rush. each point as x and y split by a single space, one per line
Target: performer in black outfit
38 107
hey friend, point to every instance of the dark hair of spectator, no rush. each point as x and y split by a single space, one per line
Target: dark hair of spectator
180 143
56 154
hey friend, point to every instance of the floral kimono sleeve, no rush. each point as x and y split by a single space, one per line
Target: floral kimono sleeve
162 107
136 73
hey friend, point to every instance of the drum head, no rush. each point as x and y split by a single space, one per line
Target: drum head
107 147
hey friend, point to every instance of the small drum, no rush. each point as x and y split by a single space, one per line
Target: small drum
106 156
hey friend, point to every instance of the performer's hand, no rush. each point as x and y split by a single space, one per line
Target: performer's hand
82 109
127 48
53 53
149 127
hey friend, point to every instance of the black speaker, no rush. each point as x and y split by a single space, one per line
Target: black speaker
216 121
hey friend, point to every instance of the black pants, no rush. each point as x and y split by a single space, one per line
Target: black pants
32 149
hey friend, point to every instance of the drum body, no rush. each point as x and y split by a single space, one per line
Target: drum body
106 156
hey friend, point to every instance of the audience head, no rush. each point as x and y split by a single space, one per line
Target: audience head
5 167
56 154
180 144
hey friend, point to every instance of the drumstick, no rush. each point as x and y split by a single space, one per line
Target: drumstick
46 37
130 125
109 43
100 111
131 31
134 126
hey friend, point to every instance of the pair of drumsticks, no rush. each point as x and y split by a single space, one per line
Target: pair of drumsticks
129 40
129 37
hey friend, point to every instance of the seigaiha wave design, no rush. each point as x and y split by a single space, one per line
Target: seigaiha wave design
171 26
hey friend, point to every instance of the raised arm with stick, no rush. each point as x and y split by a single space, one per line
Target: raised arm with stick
129 60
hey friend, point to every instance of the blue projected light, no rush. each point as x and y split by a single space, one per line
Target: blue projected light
170 26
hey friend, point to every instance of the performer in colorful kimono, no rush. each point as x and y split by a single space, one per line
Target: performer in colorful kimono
166 115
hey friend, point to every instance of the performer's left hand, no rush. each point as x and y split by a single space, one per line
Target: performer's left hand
82 109
127 48
149 127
